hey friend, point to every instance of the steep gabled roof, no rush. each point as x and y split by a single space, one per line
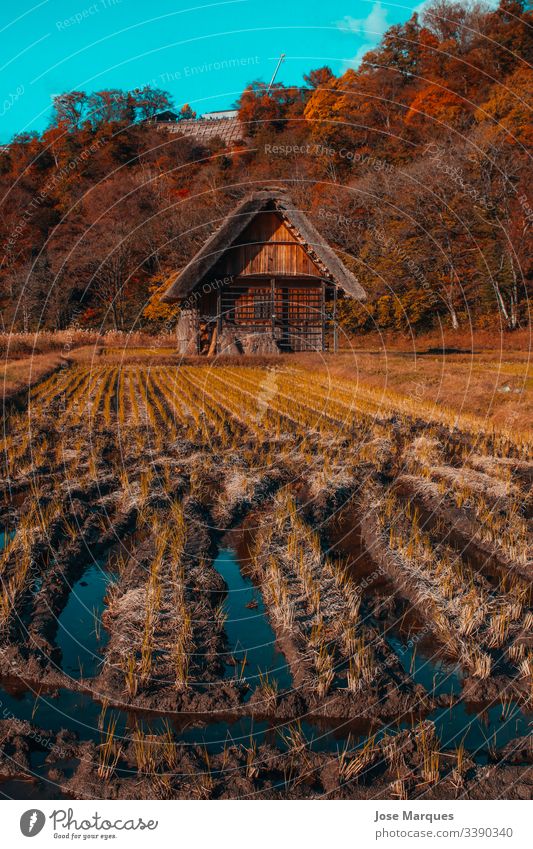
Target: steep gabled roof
184 281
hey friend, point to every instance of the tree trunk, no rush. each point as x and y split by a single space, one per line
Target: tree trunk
453 316
501 302
514 297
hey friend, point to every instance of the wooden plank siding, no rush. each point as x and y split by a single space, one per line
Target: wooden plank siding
267 227
292 311
253 305
268 247
274 258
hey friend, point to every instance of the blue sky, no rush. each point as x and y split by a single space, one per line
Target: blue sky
203 52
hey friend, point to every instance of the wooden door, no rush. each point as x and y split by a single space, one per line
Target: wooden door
299 309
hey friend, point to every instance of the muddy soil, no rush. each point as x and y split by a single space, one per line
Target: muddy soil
204 508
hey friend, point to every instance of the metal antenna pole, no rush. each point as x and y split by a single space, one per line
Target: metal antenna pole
278 66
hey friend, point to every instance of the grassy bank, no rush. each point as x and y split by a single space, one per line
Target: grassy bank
20 375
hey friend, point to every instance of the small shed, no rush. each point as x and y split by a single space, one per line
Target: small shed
264 282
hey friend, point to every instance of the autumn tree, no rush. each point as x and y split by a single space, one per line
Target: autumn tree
260 105
70 109
414 166
186 113
158 313
319 77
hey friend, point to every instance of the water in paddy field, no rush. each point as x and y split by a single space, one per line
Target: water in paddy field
79 712
64 709
80 634
250 635
435 675
480 729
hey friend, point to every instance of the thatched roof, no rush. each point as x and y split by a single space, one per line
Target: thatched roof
183 282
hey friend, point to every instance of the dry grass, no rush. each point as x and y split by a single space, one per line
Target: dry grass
489 389
489 377
469 339
20 375
18 345
494 386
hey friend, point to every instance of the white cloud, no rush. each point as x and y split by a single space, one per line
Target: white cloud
358 58
372 27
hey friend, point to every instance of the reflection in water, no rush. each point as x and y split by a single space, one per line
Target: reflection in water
80 635
250 635
250 638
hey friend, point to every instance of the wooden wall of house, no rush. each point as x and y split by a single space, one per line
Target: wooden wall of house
295 302
249 301
267 246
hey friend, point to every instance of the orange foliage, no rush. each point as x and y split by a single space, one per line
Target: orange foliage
509 107
437 103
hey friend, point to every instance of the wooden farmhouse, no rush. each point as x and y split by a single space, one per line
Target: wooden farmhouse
264 282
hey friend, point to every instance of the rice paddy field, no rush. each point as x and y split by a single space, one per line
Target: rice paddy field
261 581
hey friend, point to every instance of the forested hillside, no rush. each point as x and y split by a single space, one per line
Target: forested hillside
415 167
